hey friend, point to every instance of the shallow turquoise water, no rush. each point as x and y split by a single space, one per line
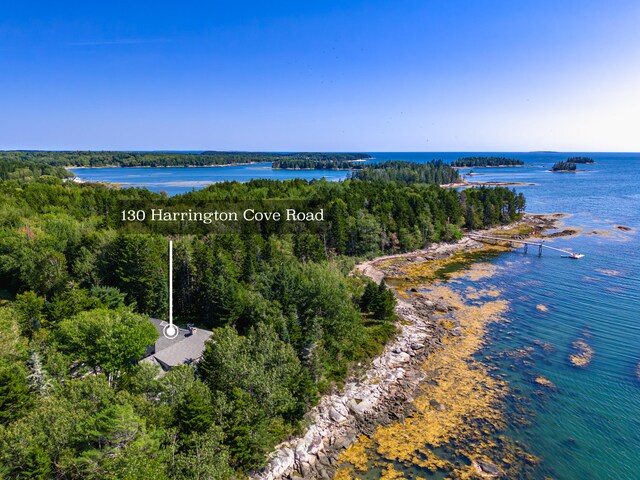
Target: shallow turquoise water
589 428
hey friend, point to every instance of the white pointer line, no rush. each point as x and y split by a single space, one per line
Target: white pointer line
170 331
170 282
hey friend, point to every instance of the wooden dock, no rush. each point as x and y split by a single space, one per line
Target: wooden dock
540 245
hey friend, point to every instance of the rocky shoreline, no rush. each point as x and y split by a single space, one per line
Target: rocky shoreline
384 392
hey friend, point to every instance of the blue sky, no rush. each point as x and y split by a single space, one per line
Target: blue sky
430 75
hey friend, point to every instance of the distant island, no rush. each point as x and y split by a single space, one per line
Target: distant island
323 161
402 172
168 159
569 165
580 160
482 162
563 167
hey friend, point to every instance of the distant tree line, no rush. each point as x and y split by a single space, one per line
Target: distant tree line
309 164
16 169
580 160
435 172
486 162
166 159
288 319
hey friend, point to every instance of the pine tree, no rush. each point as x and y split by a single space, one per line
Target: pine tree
37 465
14 394
369 297
194 413
29 308
338 227
384 302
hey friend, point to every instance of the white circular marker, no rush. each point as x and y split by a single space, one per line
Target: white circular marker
170 331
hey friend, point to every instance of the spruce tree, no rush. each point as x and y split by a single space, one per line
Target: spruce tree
14 394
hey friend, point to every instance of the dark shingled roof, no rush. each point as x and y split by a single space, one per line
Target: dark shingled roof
184 349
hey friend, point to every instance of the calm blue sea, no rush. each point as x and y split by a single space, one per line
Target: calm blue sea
589 427
175 180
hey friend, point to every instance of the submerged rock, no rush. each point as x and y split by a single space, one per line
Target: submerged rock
545 382
487 468
583 354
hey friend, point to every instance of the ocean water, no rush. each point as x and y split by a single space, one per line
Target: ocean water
589 426
176 180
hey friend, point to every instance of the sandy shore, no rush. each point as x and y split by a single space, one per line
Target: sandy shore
384 392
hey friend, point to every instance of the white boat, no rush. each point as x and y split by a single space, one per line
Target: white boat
575 256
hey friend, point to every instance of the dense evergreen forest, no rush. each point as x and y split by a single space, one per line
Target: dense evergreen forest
436 172
580 160
288 320
309 164
16 169
486 162
165 159
563 167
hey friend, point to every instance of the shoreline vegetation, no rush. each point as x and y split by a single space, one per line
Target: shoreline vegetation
288 321
351 424
486 184
487 162
585 160
77 159
563 167
171 166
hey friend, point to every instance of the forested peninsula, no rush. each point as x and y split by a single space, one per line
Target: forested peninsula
289 321
349 164
168 159
481 162
317 164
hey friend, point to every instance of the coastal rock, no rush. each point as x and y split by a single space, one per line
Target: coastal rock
282 463
339 413
341 443
378 396
487 468
398 359
305 469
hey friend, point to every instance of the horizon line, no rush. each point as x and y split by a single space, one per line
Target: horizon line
199 151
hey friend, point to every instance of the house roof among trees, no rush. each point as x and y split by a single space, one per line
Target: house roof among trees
186 348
